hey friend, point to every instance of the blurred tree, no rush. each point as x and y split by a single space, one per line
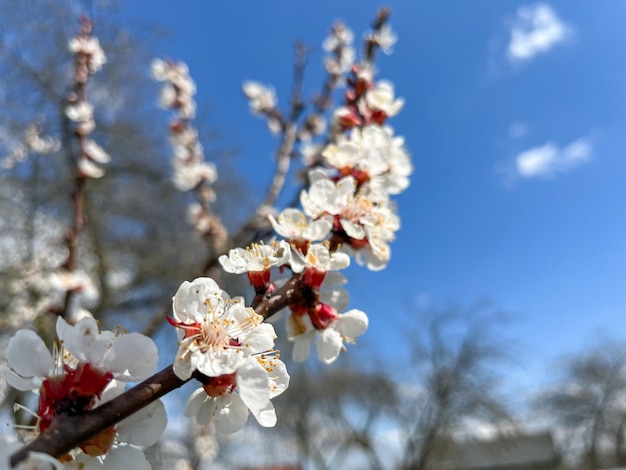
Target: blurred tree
589 403
135 245
456 358
135 250
329 419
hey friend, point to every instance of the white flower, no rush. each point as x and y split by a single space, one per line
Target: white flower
216 333
29 361
189 175
80 376
256 258
129 357
257 381
384 37
116 447
122 456
340 35
198 217
76 281
95 152
325 196
330 341
159 70
339 43
310 153
320 259
382 98
142 428
174 73
366 219
89 169
294 226
178 89
89 46
33 461
81 111
167 96
261 97
375 154
231 347
42 145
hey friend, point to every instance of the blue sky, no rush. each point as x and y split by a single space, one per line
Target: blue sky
514 115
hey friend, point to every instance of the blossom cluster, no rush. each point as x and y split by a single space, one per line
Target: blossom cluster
263 102
346 209
88 59
230 350
353 168
87 368
32 142
191 171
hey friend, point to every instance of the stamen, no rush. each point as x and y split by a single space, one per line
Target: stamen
19 406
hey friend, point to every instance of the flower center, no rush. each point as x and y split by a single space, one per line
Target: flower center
71 393
218 386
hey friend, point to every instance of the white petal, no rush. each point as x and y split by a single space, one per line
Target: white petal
28 355
351 324
96 153
195 402
231 414
353 230
133 355
333 278
220 362
338 261
19 382
336 297
183 366
114 389
38 461
253 385
179 301
279 379
318 229
90 169
81 340
145 427
245 317
297 262
302 346
261 339
126 457
189 302
369 258
329 345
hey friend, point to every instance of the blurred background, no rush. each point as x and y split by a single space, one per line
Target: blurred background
496 336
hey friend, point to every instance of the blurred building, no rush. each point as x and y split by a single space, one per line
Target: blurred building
521 451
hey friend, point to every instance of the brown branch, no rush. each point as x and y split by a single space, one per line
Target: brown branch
79 94
69 431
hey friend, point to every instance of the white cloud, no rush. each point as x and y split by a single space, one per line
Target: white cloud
549 159
535 30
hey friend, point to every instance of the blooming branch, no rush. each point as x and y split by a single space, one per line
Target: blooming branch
191 171
228 347
87 156
71 430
